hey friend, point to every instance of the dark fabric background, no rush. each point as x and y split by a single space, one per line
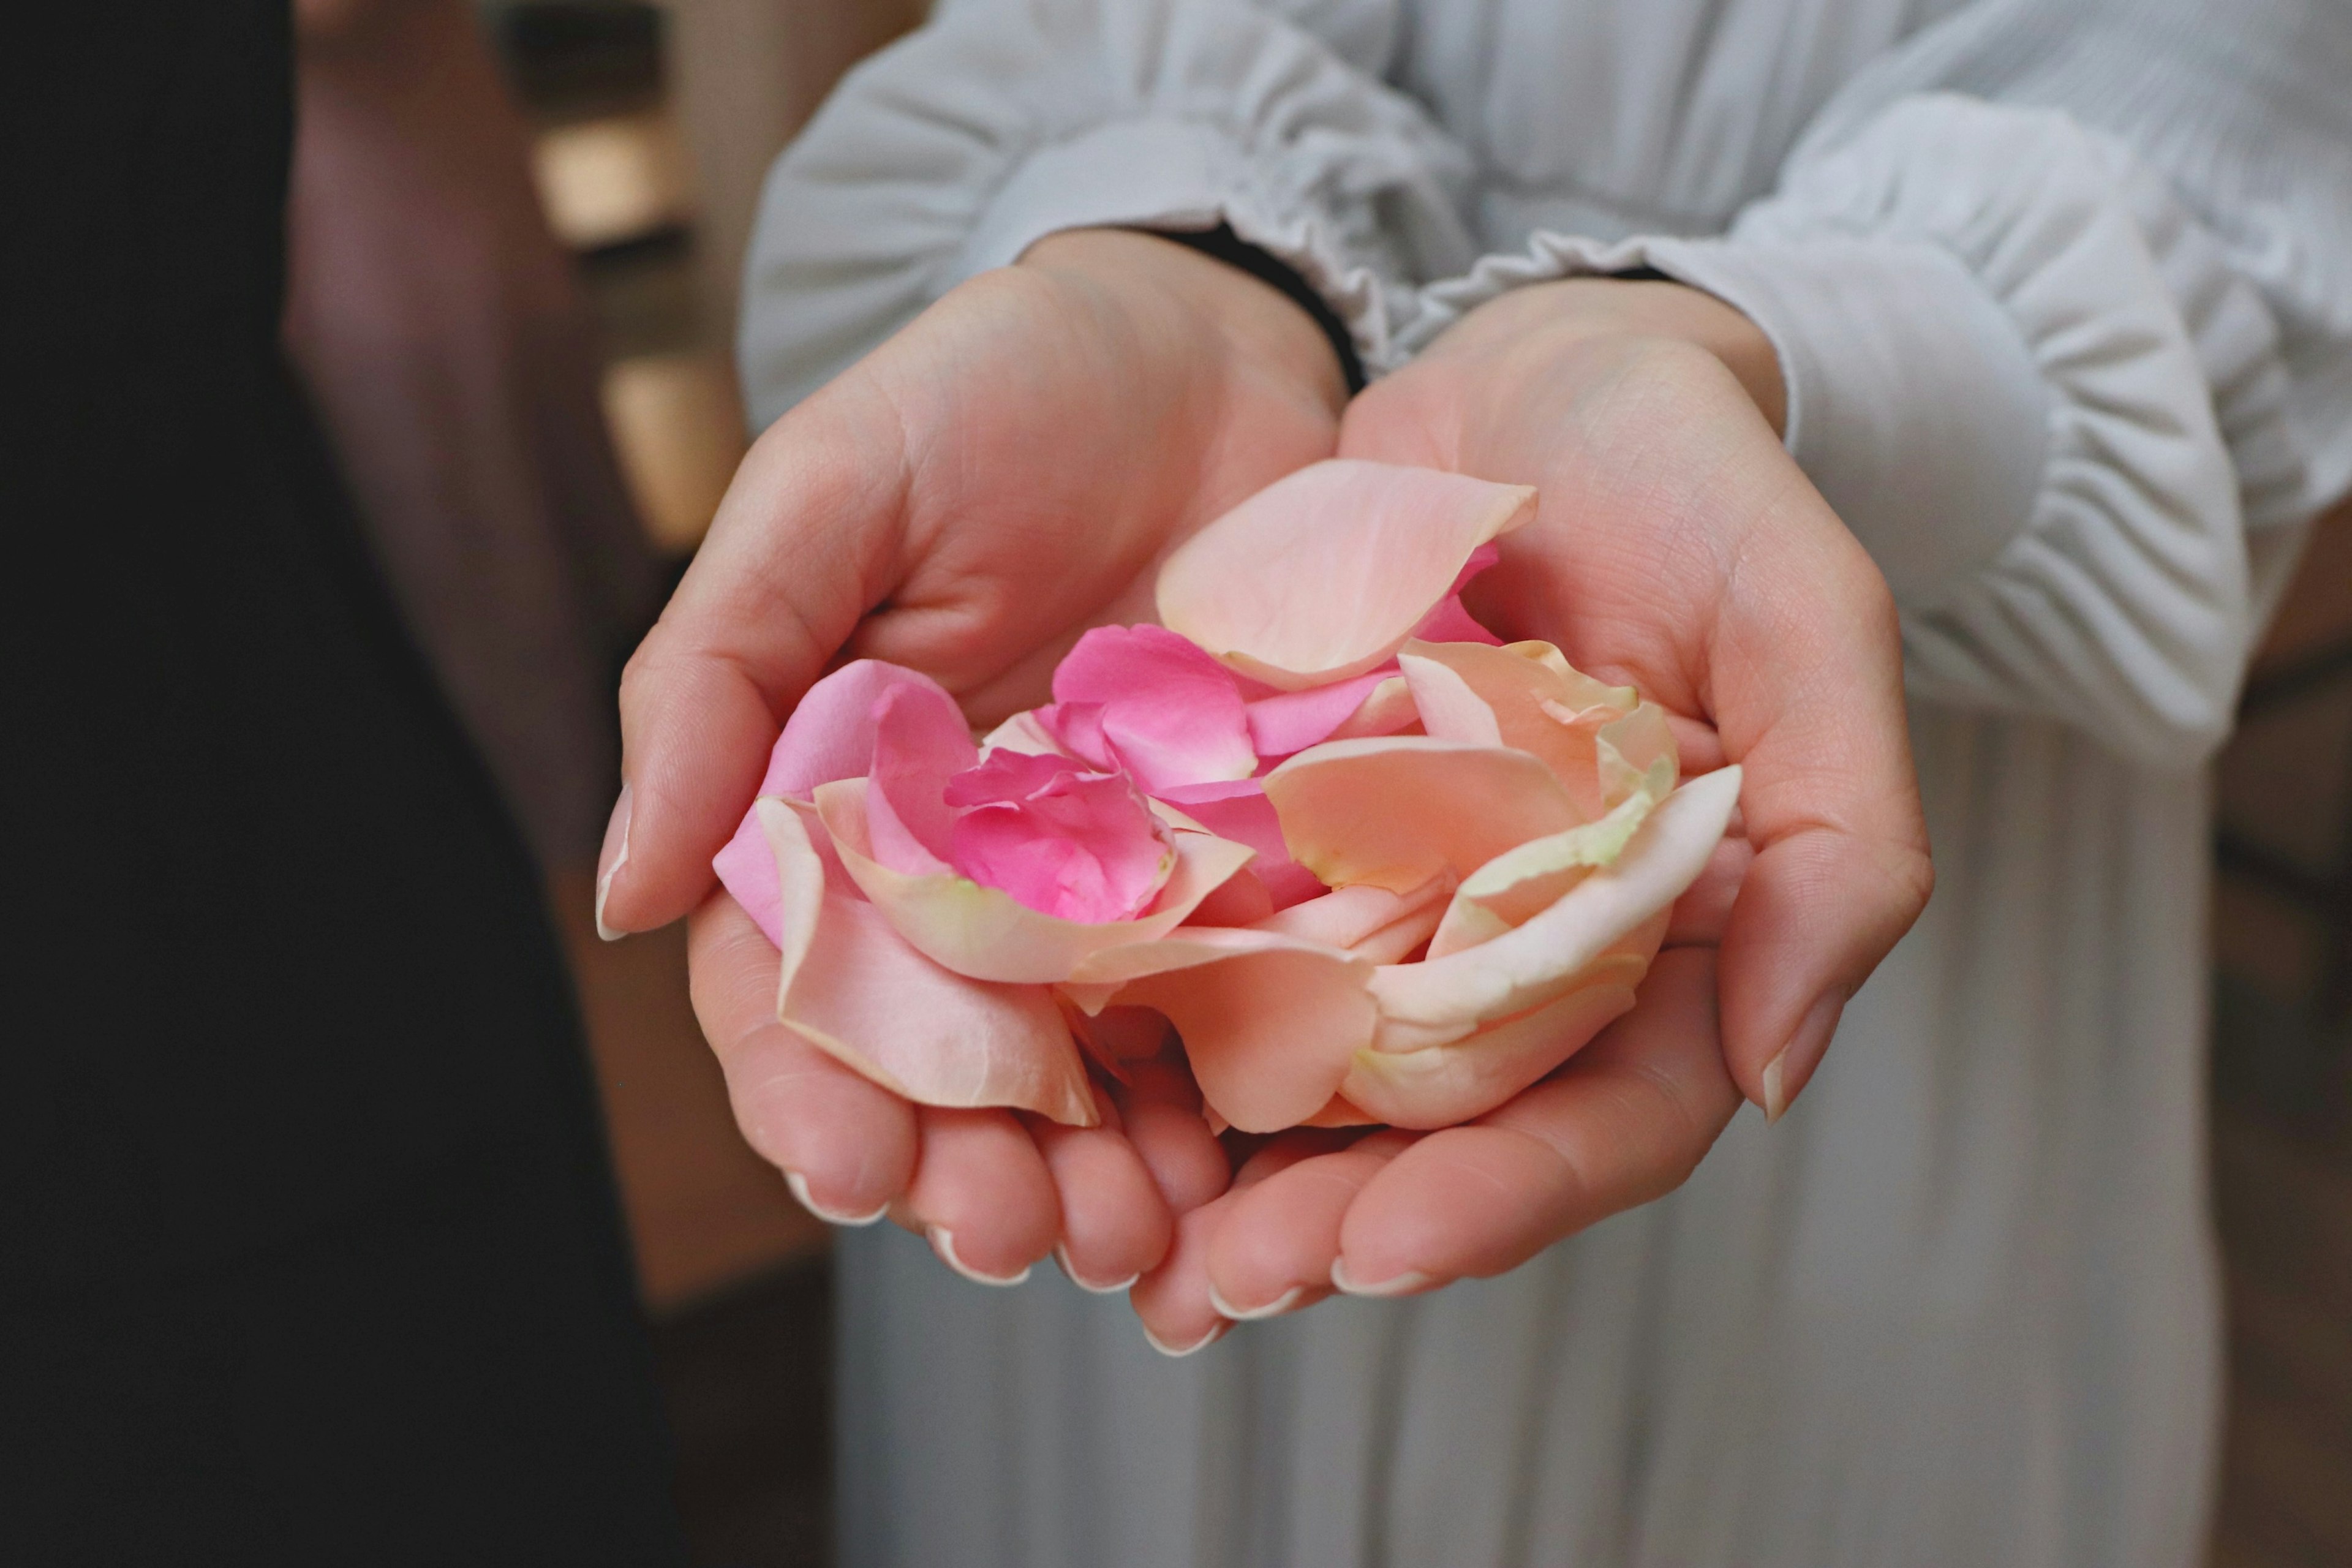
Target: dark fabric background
307 1246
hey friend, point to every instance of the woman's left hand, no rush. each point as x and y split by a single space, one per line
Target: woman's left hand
1677 548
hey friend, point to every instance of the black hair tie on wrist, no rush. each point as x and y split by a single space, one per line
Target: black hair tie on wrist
1229 247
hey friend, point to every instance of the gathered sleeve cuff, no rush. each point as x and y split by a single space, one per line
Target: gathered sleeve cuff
2028 383
1006 121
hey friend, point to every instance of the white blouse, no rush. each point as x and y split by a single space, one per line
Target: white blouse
2063 294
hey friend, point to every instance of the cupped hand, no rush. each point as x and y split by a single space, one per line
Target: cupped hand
1004 473
1677 548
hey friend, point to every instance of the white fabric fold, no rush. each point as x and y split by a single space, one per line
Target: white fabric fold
1006 121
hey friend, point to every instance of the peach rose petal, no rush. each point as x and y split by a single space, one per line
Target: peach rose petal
1437 1086
1541 705
1396 811
1348 916
1270 1032
849 986
1387 711
984 932
1442 999
1323 575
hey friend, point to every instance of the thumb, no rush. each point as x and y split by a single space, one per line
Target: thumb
797 554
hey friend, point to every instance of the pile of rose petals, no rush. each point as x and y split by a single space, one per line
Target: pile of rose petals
1370 866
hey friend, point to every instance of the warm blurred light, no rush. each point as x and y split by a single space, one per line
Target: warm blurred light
678 423
607 180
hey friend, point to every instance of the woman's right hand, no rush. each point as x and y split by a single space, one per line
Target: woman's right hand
1005 472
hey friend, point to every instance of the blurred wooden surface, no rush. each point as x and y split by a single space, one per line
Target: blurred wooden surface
704 1211
2282 1084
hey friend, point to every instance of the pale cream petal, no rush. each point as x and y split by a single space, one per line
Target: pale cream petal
1519 884
1396 811
1449 710
1022 734
1442 998
1438 1086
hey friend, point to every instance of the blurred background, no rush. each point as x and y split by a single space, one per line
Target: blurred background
549 268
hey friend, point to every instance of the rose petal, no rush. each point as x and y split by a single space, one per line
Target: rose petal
1347 916
831 735
863 997
1438 1086
1076 845
1443 999
1323 575
1269 1032
1240 811
1397 811
1541 705
1291 722
1146 700
987 933
1452 623
1388 711
1519 884
1448 708
747 866
1637 752
921 742
1020 733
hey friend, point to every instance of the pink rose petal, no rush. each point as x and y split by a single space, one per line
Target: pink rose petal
1323 575
1291 722
831 735
1240 811
919 743
986 932
1146 700
1076 845
867 998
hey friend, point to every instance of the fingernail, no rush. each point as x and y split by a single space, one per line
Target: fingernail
1395 1285
942 1242
799 1184
1786 1075
610 859
1175 1352
1062 1257
1273 1308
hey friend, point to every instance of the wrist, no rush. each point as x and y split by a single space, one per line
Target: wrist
1578 310
1250 320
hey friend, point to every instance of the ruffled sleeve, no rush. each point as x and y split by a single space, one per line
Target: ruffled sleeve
1005 120
2070 350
